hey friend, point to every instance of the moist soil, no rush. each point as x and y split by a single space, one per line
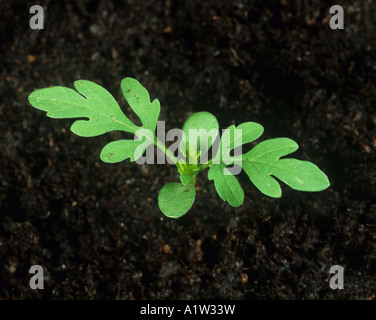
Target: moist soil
96 228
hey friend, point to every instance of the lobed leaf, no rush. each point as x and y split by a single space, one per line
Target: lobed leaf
120 150
226 184
139 100
263 161
249 131
95 103
92 101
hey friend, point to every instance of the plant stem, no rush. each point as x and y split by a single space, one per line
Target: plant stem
168 153
205 165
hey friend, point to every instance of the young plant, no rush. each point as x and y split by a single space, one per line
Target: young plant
262 164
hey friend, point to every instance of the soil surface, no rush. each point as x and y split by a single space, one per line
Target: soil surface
96 228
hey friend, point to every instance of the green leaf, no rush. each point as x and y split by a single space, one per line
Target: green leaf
201 140
92 101
250 131
187 178
96 103
175 199
301 175
264 160
120 150
139 100
227 185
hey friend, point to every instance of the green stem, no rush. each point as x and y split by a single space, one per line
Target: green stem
205 165
181 164
168 153
234 160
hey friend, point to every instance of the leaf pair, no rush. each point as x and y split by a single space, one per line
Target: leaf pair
263 162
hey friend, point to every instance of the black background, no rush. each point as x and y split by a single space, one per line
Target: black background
96 228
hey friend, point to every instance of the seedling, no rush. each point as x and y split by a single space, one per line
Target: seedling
262 164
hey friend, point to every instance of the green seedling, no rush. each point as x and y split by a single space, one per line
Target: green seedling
262 164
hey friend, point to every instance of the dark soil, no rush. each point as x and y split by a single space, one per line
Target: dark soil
96 228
